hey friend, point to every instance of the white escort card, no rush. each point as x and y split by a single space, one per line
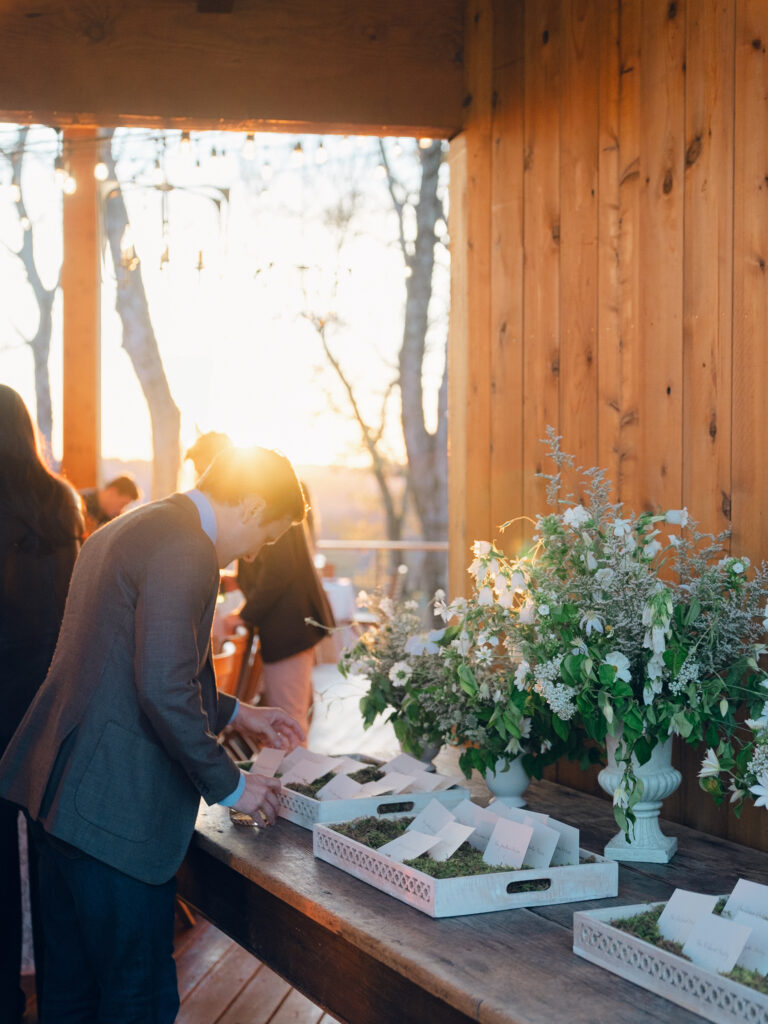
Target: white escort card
508 843
408 846
347 765
307 770
398 782
405 763
341 787
482 822
715 943
567 849
750 897
300 754
450 837
541 845
424 782
683 910
267 761
754 956
431 819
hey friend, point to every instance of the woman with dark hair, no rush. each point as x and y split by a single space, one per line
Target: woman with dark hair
40 532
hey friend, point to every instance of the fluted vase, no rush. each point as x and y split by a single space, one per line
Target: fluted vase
645 842
508 782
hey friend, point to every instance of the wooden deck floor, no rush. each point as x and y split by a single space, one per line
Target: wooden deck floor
220 983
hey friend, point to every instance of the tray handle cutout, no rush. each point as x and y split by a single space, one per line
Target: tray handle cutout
401 807
532 885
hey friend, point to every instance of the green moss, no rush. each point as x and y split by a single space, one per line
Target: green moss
312 788
646 926
375 832
368 774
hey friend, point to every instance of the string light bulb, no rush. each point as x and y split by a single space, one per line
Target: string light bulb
249 147
15 192
59 171
321 154
425 143
100 171
297 157
185 143
70 185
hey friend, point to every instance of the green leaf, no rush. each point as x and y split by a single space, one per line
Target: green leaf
561 728
467 680
643 750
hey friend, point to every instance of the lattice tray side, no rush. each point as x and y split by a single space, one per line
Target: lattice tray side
452 897
711 995
306 811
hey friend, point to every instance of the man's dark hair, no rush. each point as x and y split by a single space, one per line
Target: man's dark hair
124 485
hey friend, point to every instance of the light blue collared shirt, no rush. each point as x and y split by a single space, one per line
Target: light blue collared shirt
211 529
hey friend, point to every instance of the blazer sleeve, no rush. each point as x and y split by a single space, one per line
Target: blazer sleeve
172 614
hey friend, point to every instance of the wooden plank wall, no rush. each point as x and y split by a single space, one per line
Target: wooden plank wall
625 180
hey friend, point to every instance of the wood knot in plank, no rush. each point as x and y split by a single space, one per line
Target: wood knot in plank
545 37
672 10
667 185
757 44
713 426
725 504
467 101
693 152
556 232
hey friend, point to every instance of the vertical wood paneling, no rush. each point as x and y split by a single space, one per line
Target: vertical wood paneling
660 277
750 325
579 126
507 395
471 349
608 412
708 306
541 359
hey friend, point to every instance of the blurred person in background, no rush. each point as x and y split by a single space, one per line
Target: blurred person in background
40 533
281 589
103 504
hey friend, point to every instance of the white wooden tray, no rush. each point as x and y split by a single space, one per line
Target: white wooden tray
451 897
306 811
711 995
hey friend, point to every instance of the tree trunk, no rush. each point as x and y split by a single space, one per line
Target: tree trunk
140 343
427 452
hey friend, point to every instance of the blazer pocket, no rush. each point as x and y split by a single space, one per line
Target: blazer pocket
127 785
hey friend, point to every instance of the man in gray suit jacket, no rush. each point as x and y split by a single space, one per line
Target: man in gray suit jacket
115 752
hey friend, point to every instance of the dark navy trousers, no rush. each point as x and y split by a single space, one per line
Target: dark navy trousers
108 941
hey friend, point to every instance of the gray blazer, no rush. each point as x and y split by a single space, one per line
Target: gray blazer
120 743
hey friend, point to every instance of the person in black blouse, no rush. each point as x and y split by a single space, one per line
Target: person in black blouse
40 533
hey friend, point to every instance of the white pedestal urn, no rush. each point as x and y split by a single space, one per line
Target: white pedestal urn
646 842
508 782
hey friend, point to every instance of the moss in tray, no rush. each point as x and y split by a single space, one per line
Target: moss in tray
368 774
375 832
646 926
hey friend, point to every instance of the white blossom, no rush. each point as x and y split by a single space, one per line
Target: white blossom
576 517
709 765
621 663
400 673
761 791
677 516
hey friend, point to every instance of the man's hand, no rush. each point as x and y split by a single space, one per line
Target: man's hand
271 727
261 798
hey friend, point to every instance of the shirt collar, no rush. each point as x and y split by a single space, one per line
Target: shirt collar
206 513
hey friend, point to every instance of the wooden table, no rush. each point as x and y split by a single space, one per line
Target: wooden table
370 959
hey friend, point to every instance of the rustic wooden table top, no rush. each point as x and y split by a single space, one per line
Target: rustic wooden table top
370 959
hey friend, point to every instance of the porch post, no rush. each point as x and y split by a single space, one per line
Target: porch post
80 285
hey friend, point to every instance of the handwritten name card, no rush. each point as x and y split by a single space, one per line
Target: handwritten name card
683 910
408 846
341 787
508 843
450 837
751 897
715 943
754 956
268 761
431 819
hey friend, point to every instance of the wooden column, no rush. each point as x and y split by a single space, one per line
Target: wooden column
80 284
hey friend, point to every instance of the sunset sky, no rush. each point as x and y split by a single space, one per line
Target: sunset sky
238 353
